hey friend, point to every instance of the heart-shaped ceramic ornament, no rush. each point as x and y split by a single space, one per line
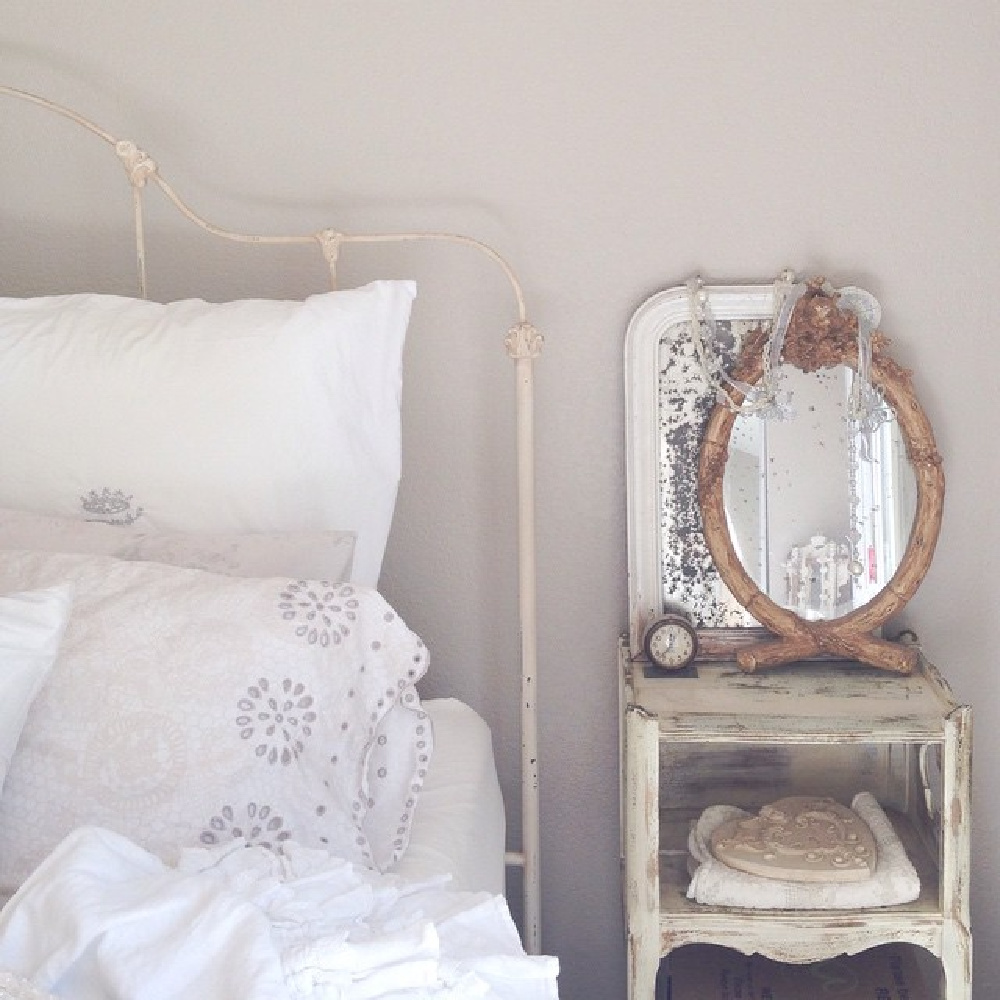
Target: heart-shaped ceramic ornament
801 838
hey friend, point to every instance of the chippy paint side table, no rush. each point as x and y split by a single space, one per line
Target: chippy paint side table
717 735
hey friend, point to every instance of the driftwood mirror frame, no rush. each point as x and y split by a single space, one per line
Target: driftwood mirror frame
820 335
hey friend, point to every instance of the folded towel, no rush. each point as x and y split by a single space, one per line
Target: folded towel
714 883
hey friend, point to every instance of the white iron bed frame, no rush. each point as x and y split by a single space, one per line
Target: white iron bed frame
523 344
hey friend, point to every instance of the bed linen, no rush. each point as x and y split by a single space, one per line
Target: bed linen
31 628
304 555
187 707
245 416
101 918
458 830
459 825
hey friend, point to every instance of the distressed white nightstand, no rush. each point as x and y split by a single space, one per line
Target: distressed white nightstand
716 735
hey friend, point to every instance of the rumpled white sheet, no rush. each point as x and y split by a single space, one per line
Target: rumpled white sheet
715 883
102 919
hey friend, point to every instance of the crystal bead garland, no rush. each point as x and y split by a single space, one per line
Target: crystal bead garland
855 566
762 399
866 410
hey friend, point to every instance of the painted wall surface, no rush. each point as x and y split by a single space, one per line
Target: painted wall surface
608 150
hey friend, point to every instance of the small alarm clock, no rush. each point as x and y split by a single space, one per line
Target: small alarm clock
671 640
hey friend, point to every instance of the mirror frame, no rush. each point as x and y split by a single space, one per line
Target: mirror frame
659 318
820 335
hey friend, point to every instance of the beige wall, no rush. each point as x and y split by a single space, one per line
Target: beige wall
608 149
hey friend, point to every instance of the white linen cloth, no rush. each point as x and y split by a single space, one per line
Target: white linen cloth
101 918
459 825
895 879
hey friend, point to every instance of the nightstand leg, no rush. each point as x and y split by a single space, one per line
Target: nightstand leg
641 851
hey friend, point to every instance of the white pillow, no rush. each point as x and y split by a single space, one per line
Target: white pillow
232 417
31 628
401 742
188 708
325 555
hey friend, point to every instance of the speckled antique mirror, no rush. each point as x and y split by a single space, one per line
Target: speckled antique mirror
668 402
821 523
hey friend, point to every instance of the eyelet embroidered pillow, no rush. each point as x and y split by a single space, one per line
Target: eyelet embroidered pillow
233 417
31 627
189 708
401 744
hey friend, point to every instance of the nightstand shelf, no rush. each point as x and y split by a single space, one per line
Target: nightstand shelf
720 736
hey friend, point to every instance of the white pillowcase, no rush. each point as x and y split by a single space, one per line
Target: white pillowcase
248 416
402 737
31 628
188 708
400 758
317 555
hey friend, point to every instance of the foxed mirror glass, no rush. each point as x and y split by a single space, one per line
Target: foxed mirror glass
816 514
668 402
819 512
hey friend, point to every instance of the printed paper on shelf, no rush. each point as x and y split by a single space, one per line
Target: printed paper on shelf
703 972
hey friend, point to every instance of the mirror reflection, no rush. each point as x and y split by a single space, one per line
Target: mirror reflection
819 513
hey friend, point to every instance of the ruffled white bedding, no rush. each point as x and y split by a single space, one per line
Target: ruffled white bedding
101 918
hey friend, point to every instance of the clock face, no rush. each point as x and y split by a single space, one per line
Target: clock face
671 643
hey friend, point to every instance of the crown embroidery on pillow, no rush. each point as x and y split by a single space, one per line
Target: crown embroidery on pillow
111 507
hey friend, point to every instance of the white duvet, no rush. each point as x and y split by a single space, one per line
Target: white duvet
102 919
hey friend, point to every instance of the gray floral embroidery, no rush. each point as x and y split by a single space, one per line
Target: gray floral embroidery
255 824
280 719
111 507
321 610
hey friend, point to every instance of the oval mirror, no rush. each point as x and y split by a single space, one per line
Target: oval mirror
819 512
819 576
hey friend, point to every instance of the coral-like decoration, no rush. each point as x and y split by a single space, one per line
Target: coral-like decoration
820 334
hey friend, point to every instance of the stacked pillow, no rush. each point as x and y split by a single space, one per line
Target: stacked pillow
211 487
187 708
307 554
235 417
31 628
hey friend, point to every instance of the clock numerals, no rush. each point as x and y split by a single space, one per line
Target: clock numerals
671 642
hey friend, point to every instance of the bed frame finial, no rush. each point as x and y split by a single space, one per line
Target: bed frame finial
139 165
330 242
523 341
